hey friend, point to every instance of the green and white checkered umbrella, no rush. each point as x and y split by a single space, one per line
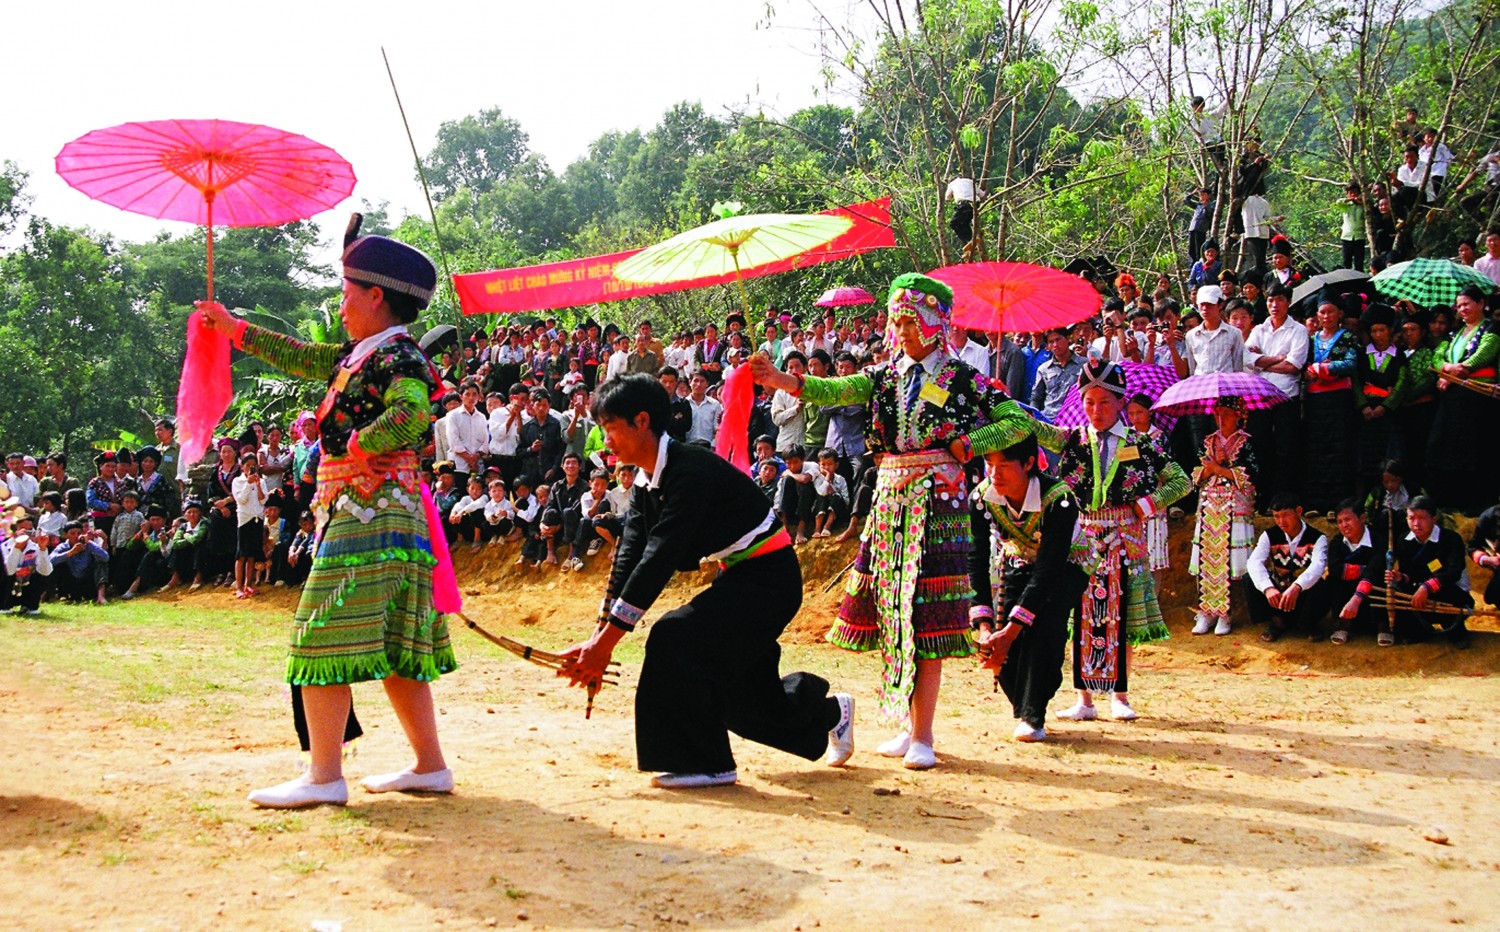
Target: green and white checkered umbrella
1429 282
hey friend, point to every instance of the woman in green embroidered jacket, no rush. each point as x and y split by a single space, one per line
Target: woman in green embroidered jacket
1462 450
366 611
908 592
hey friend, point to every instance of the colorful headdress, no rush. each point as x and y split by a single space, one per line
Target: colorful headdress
1100 373
927 299
394 266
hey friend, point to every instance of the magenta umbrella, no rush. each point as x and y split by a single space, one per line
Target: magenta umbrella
1141 378
207 172
1197 394
844 296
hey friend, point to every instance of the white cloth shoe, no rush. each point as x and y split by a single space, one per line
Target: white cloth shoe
919 757
1026 734
895 747
1078 712
1121 711
299 793
1202 624
1222 628
841 738
691 781
406 781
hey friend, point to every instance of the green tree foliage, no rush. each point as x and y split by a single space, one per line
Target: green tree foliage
477 152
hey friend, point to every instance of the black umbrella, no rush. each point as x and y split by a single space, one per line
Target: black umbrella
1338 282
439 338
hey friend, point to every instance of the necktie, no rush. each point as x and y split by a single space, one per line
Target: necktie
913 386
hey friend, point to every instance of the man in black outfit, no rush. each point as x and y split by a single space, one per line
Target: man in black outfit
1024 637
711 665
1429 568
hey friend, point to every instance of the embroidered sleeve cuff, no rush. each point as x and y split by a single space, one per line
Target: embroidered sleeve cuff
1021 615
624 615
980 613
1363 589
1148 507
1432 586
238 337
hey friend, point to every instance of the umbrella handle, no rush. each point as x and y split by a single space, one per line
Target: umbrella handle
208 197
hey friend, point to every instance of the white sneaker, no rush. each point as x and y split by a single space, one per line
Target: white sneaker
1078 712
895 747
406 781
1222 628
1121 712
690 781
919 757
298 793
841 738
1026 734
1202 624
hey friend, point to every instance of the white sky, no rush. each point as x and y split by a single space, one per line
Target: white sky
568 70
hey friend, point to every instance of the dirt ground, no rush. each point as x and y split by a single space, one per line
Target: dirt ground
1309 784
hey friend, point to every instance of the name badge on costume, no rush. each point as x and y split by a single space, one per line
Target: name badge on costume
340 382
933 394
1129 453
1434 565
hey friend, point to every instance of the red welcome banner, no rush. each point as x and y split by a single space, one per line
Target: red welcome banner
592 281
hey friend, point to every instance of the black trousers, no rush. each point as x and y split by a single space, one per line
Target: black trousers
1033 669
797 500
83 588
1312 605
713 666
154 571
26 595
962 221
189 560
1415 627
1353 254
1276 438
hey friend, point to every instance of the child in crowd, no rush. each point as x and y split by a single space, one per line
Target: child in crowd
597 524
249 490
1225 530
125 548
529 518
299 553
1392 493
765 452
84 565
278 540
27 561
77 506
468 514
499 514
795 495
1138 412
49 524
765 478
152 538
185 552
831 491
446 494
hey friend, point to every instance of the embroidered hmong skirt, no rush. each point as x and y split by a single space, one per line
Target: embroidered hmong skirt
908 593
1119 603
1222 540
366 610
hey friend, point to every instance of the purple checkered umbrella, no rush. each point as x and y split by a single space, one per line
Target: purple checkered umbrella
1196 394
1141 378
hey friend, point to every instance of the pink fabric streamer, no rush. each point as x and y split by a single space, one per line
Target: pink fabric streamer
445 597
737 396
205 391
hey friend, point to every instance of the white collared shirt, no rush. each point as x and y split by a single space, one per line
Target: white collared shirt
370 344
1221 349
1364 541
1030 502
654 473
1261 577
1288 340
468 432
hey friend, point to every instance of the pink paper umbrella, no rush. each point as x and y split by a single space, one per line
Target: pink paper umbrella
1197 394
844 296
1016 296
206 172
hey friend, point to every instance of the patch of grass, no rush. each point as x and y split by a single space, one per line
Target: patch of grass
302 865
278 825
114 859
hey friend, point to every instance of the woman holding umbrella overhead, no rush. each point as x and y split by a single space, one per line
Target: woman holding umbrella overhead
930 413
367 608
